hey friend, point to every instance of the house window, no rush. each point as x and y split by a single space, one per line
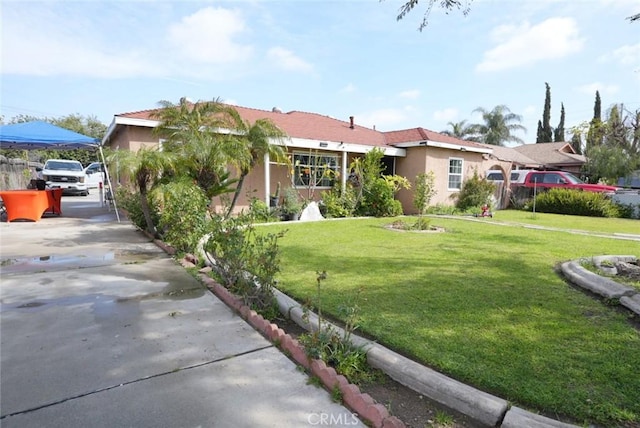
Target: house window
314 170
455 173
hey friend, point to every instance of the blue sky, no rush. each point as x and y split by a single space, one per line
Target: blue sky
336 58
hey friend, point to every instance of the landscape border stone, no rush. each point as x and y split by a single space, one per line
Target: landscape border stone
476 404
595 283
518 418
627 296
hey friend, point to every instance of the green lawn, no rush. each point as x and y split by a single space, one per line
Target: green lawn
483 304
592 224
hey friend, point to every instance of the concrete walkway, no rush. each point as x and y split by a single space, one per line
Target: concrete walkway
100 328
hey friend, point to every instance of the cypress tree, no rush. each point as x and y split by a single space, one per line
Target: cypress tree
539 134
545 132
558 133
594 136
576 143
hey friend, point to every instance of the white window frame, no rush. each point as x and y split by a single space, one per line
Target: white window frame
451 174
299 167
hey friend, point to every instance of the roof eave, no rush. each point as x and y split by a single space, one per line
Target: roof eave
442 145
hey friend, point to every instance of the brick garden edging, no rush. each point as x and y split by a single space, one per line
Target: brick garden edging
480 406
361 403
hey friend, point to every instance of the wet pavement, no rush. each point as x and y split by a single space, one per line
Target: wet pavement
100 328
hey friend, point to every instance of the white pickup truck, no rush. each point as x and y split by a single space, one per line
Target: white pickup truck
67 175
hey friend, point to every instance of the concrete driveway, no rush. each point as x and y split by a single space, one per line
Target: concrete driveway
99 328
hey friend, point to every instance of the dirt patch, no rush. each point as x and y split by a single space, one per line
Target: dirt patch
412 408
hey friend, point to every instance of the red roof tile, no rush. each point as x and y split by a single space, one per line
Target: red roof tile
299 124
421 134
313 126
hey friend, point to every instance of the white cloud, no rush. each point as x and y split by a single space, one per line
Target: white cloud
625 55
591 88
40 42
445 115
208 36
54 39
287 60
522 45
411 94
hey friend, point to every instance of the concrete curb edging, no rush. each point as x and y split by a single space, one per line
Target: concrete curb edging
627 296
361 403
478 405
518 418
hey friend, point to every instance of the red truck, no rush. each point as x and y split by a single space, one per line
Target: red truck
550 179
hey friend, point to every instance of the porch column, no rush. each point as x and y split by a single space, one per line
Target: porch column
344 170
267 178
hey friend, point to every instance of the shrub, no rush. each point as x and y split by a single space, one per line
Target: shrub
338 202
442 209
574 202
183 213
378 200
628 210
244 261
260 212
129 201
476 191
424 191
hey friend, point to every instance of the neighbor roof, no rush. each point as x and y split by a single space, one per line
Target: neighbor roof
552 153
510 154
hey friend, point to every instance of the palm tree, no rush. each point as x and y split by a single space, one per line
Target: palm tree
498 126
461 130
257 139
199 134
145 167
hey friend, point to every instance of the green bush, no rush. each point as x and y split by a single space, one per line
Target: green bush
441 209
574 202
476 191
628 210
378 201
244 261
260 212
129 201
338 203
183 213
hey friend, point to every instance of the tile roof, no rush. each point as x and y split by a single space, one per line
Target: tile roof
313 126
298 124
421 134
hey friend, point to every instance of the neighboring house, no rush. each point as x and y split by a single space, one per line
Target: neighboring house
560 156
335 144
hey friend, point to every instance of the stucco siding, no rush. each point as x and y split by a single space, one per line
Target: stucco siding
424 159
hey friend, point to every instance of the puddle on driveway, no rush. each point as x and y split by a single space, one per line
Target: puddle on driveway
102 305
71 261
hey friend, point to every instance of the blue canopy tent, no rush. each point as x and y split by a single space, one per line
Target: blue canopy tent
43 135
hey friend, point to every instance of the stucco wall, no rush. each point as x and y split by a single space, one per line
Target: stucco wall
424 159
